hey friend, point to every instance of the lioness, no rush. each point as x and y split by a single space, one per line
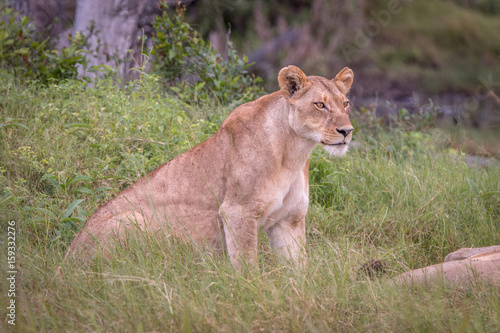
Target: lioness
253 173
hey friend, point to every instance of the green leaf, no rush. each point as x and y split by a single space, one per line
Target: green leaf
18 125
47 176
72 219
42 210
80 179
77 125
199 86
83 190
23 51
37 219
69 210
102 189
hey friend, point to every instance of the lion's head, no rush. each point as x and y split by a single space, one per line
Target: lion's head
320 108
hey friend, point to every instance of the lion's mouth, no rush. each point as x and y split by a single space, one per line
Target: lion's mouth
333 144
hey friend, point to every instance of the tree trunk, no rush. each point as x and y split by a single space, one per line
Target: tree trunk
42 13
116 23
120 25
21 6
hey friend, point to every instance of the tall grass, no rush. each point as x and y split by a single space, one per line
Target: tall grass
401 196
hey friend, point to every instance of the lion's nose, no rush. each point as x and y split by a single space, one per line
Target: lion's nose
345 131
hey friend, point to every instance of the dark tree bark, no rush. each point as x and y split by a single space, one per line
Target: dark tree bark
43 13
116 22
21 6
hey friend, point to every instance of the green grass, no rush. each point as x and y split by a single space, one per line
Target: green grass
403 196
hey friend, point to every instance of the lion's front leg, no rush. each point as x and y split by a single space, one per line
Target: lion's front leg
240 230
288 237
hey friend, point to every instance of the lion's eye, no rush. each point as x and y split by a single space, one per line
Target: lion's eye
319 105
346 104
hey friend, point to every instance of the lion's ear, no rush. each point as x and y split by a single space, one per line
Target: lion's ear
344 80
292 80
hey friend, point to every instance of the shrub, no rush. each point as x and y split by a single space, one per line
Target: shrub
30 55
193 69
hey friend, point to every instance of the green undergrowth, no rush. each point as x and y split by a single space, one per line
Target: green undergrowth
401 195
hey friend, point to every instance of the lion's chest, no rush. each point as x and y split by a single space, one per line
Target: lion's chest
288 199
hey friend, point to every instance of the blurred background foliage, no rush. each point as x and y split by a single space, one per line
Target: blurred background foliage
403 52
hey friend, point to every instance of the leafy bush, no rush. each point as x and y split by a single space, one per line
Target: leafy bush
30 55
192 67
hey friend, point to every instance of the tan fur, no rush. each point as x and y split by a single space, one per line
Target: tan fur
252 174
463 267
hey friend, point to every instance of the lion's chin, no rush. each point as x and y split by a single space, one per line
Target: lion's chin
336 150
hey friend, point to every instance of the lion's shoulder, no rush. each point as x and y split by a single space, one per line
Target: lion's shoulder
254 112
